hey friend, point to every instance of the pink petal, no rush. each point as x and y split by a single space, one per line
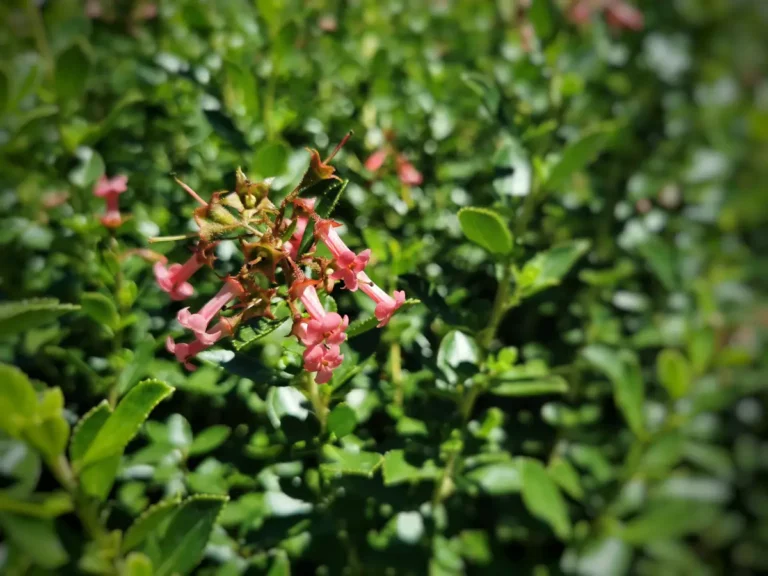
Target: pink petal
323 375
376 160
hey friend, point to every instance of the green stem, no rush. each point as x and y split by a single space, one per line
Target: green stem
499 308
318 404
396 369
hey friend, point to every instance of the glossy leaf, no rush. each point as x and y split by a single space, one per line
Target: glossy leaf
542 497
487 229
342 420
25 315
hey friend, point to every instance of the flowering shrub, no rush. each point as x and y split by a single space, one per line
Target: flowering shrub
516 324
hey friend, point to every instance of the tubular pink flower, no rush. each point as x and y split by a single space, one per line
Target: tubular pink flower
323 360
293 244
110 190
386 305
173 279
198 323
620 15
376 160
407 173
348 266
185 352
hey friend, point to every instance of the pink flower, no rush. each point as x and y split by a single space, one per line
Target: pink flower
110 190
348 266
386 305
330 328
407 173
185 352
376 160
621 15
292 245
323 360
580 12
173 279
198 323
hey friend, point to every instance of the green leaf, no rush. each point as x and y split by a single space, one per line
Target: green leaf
566 476
271 159
18 400
497 479
674 372
137 367
662 260
344 462
72 67
456 350
623 370
209 439
487 229
362 326
281 565
249 336
578 154
137 564
181 547
49 432
342 420
397 470
669 519
101 308
86 430
36 538
541 14
542 497
701 349
37 505
149 522
536 387
485 88
97 479
123 424
89 170
24 315
547 269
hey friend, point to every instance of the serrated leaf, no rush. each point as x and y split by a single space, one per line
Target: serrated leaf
327 198
396 469
248 336
181 547
674 372
623 370
345 462
545 385
209 439
548 268
36 538
101 308
24 315
342 420
578 154
486 228
542 497
137 366
149 521
123 424
87 428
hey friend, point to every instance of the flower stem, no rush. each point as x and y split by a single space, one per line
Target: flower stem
396 369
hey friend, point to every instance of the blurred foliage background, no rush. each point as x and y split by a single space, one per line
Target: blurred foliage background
582 389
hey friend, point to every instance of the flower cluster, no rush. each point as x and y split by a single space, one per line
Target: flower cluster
618 14
280 261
